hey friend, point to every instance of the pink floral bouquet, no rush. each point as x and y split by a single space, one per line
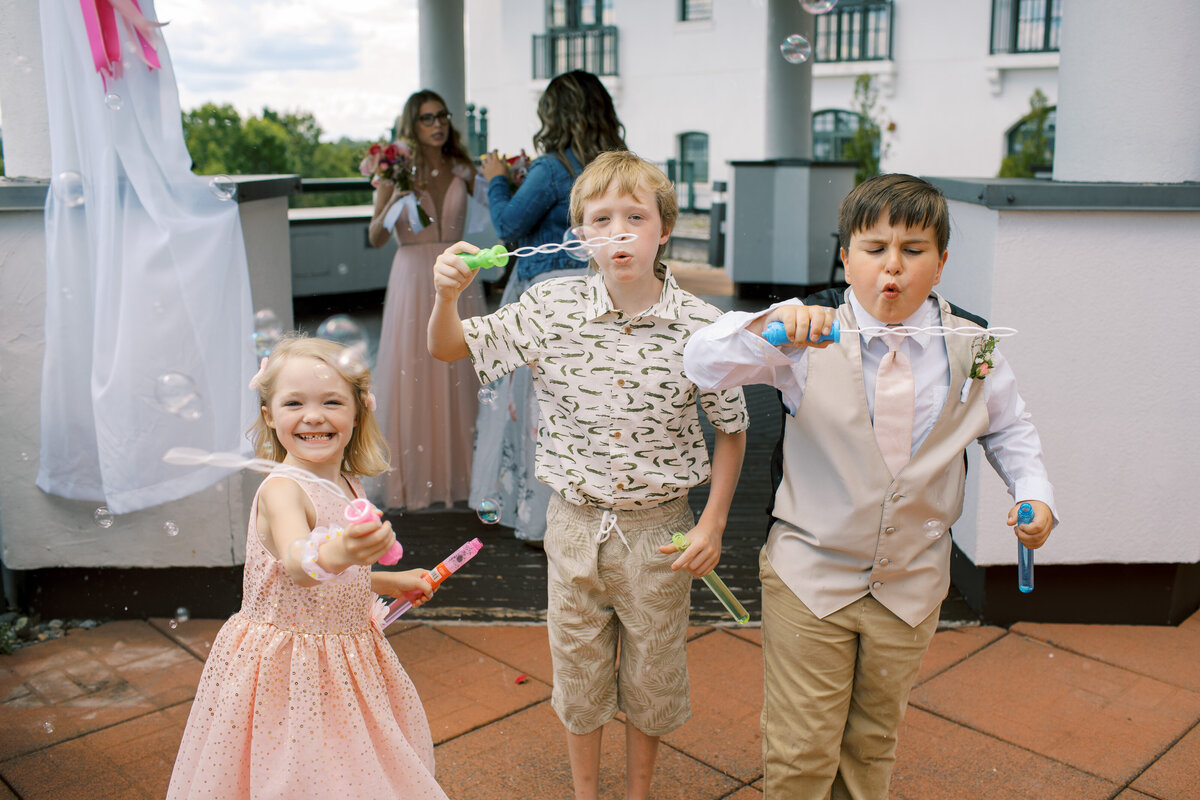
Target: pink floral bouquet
518 166
392 162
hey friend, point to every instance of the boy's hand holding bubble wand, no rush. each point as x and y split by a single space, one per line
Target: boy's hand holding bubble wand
816 326
680 543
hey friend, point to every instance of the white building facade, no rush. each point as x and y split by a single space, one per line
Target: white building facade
952 77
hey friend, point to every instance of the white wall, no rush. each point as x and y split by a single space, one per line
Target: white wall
1104 364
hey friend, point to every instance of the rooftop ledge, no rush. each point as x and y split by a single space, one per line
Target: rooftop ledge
1031 194
29 194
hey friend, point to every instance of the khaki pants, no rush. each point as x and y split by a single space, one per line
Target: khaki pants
835 690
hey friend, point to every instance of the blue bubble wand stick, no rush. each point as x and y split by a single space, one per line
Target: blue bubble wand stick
1024 554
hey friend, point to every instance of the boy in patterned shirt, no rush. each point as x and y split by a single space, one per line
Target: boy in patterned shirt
620 442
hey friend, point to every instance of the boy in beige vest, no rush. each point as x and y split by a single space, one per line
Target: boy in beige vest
857 560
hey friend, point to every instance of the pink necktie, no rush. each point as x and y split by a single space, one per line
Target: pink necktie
894 406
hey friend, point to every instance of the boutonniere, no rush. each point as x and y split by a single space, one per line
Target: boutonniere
983 359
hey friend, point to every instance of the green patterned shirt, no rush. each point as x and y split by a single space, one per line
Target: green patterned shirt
618 427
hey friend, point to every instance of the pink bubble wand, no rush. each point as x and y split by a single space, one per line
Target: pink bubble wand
442 571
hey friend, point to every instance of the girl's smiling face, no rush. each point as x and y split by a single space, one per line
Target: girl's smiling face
313 412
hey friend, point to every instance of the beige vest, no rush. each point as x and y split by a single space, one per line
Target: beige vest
845 526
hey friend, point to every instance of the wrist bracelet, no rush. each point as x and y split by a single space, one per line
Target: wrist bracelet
310 549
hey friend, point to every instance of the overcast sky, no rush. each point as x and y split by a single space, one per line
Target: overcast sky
351 63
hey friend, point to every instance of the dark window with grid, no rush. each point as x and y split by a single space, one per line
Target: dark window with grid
856 30
832 131
579 35
695 9
1026 26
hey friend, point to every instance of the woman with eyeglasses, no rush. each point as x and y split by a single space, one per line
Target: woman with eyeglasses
425 406
578 122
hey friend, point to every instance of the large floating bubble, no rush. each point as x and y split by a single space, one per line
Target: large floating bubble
795 49
574 244
488 511
223 187
68 188
176 394
345 331
267 331
818 6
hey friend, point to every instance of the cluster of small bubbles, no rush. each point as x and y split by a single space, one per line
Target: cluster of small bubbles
170 528
48 727
818 6
68 188
113 101
488 511
574 239
934 528
176 394
349 334
267 331
103 517
223 187
795 49
343 269
487 396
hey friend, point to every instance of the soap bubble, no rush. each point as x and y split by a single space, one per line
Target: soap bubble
113 101
103 517
267 330
795 49
68 188
487 396
181 614
574 240
23 64
343 269
818 6
934 528
170 528
488 511
173 624
176 394
223 187
345 331
48 727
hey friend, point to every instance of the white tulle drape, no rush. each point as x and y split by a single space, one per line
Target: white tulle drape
148 312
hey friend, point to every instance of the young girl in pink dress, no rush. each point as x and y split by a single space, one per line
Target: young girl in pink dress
301 696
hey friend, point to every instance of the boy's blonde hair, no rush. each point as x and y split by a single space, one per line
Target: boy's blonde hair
908 200
628 172
367 452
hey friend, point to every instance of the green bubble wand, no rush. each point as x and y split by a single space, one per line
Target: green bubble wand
716 585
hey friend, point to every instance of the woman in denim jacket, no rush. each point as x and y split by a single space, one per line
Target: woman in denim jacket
578 123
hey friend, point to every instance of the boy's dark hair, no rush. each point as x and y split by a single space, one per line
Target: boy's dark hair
909 201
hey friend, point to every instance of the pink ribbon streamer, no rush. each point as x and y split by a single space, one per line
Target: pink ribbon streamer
100 22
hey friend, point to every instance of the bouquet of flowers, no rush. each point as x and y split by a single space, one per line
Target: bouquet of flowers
518 166
392 162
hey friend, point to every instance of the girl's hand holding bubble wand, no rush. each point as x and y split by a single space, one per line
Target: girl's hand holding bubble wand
442 571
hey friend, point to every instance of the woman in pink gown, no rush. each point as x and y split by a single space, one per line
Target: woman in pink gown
427 408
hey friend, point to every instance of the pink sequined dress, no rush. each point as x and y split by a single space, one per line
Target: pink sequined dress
301 695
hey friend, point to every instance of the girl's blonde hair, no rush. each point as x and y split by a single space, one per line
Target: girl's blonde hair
367 453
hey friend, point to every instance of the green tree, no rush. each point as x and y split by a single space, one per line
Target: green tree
213 135
1033 149
866 146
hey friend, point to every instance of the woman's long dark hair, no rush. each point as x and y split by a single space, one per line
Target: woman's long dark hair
577 114
406 128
